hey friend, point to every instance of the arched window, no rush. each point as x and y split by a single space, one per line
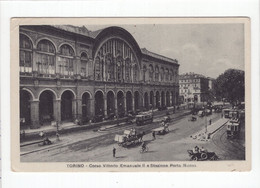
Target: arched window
135 73
150 72
166 74
119 61
128 70
25 54
144 72
45 57
110 68
84 65
162 74
98 69
66 60
156 73
120 67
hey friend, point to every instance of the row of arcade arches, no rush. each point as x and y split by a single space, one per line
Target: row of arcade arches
66 108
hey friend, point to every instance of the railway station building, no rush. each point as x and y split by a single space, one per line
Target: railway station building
70 73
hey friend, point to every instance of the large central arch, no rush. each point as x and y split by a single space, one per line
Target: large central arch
122 46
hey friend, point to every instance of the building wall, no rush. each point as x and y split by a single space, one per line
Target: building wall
65 83
193 88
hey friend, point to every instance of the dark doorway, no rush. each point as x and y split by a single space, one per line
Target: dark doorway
137 101
66 106
163 99
129 101
157 99
99 104
110 103
46 107
146 101
120 104
85 107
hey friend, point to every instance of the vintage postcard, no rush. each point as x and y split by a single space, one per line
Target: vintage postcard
130 94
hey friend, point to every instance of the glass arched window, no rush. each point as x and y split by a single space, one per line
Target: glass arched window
25 54
128 70
120 67
135 72
98 69
162 74
150 72
144 73
45 57
166 74
84 64
66 60
110 68
156 73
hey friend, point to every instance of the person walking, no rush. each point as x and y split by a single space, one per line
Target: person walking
114 152
153 135
210 122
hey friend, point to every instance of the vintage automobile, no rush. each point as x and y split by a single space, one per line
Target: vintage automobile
146 117
202 156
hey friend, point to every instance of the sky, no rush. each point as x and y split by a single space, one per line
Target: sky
207 49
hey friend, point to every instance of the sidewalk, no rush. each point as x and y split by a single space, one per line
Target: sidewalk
211 129
32 135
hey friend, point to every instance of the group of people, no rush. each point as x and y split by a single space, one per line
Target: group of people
196 149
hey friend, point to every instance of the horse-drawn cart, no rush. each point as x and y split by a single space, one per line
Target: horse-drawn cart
162 130
129 138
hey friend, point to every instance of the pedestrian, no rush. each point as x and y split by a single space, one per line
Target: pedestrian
114 152
210 122
153 135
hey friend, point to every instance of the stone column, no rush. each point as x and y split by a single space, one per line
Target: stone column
77 66
133 104
79 109
105 107
92 108
171 99
34 106
57 110
74 109
125 109
116 110
34 61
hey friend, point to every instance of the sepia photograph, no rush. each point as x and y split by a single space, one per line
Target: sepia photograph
131 93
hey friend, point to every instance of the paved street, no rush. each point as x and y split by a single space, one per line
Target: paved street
97 146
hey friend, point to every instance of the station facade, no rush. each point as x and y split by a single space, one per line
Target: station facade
69 73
